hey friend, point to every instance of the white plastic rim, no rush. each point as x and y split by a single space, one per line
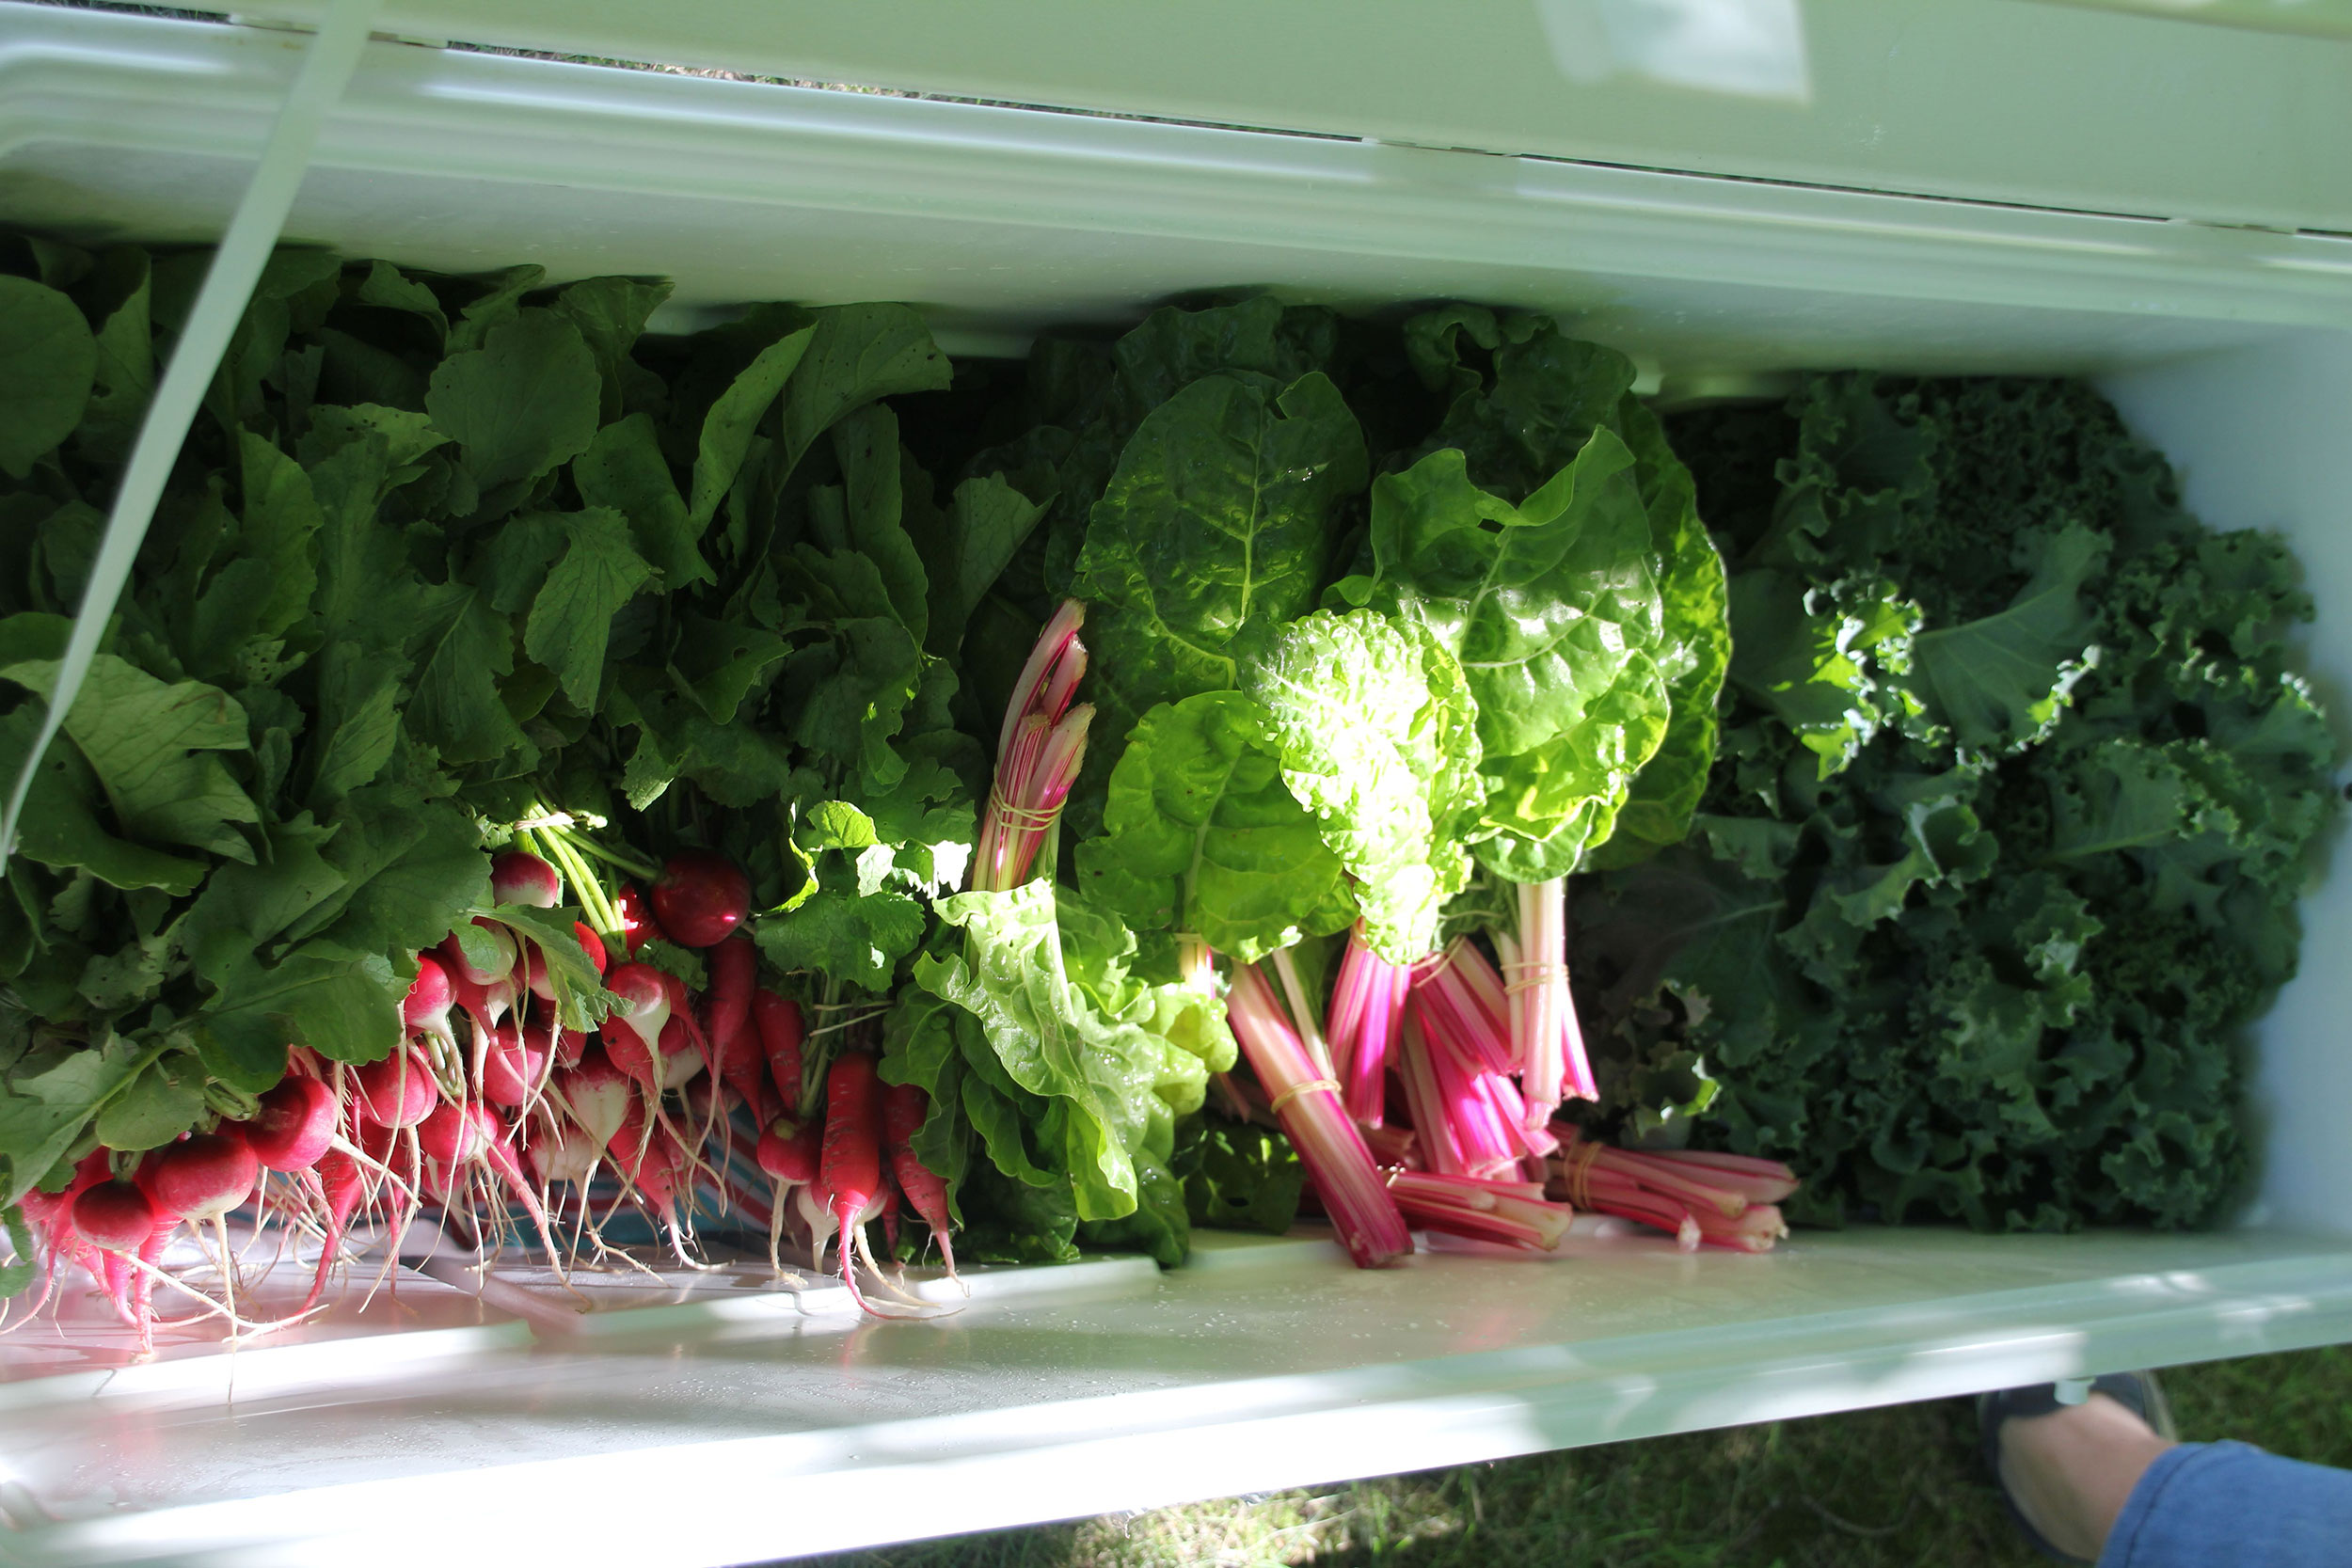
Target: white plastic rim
1109 1386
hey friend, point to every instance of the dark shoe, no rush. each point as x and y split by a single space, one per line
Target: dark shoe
2136 1392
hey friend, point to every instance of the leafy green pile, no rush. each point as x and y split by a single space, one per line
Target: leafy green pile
449 556
443 554
2015 793
1324 698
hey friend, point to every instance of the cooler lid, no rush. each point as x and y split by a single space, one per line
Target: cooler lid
2130 106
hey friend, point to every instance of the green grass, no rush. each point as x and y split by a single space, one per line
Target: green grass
1897 1488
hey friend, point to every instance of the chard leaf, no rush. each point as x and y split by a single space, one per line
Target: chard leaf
522 403
1554 612
1201 834
1377 737
1695 655
48 362
1101 1075
1217 527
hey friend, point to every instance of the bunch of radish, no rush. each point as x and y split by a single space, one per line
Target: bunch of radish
495 1120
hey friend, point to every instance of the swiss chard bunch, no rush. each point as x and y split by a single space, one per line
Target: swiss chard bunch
2003 847
1322 699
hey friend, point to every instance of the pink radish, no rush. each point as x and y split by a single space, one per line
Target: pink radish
599 1097
511 1066
519 876
637 924
593 945
294 1125
456 1136
398 1091
430 996
904 1108
499 961
788 1152
116 1217
850 1162
701 897
637 1018
681 1063
203 1176
780 1039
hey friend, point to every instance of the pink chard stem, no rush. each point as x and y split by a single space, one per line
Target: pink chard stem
1037 755
1331 1147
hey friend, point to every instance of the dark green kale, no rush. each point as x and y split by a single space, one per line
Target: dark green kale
2001 852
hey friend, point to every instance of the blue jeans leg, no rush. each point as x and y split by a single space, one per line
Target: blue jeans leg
2231 1505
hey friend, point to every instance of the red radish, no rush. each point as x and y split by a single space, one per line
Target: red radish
733 1045
455 1134
534 968
519 876
597 1097
593 945
571 1044
511 1066
534 964
201 1177
51 1215
651 1160
788 1152
637 924
118 1217
294 1125
429 997
701 897
689 1033
499 953
398 1091
344 1183
114 1215
644 1005
850 1164
560 1152
780 1039
904 1108
459 1136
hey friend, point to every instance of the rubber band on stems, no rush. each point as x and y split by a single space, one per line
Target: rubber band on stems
1527 974
1576 1169
1034 819
1305 1086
